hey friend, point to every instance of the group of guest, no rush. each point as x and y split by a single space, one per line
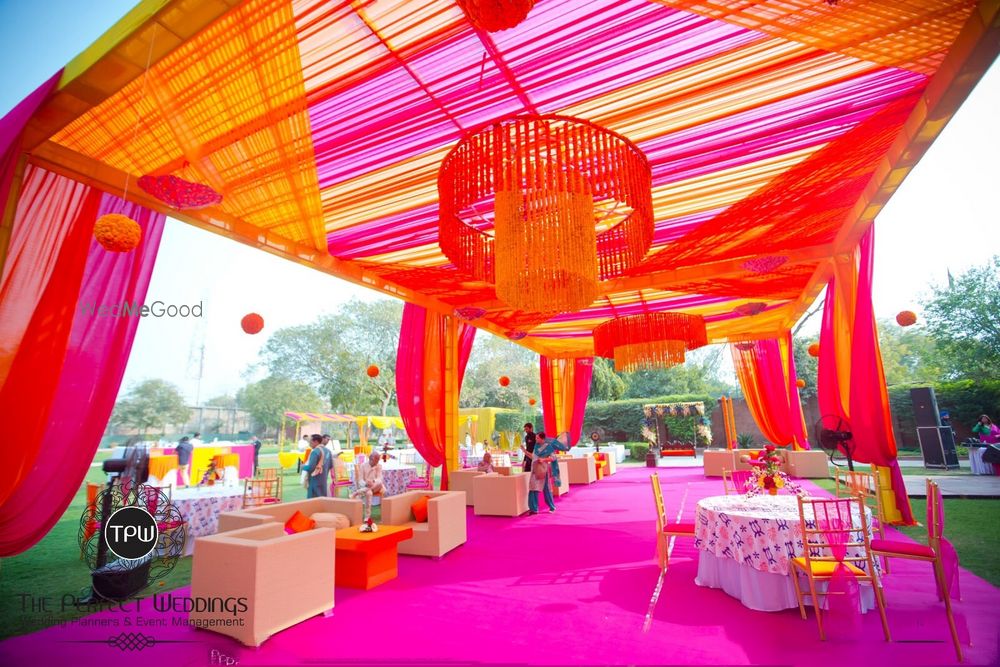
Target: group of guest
321 461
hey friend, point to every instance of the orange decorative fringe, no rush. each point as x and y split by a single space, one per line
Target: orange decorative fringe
649 340
569 203
117 232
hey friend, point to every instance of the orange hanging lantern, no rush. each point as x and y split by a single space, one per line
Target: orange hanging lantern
649 340
814 350
373 371
495 15
117 232
504 380
252 323
906 318
531 401
544 208
800 383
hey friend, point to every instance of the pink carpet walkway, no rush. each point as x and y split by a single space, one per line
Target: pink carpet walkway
572 587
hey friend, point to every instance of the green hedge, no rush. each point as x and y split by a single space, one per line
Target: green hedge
637 451
964 399
622 420
515 421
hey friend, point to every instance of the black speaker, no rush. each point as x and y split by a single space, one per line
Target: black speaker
925 409
937 444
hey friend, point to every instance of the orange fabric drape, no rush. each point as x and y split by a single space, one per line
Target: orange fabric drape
565 385
766 371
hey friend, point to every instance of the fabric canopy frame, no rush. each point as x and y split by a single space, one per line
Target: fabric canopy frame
769 132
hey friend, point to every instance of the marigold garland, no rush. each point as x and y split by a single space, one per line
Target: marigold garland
649 340
117 232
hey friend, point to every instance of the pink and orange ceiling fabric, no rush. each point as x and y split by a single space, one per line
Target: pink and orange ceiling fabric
323 126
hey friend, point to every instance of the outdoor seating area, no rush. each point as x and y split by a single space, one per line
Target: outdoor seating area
560 326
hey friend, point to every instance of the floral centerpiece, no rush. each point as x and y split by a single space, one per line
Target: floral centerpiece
211 475
766 474
368 526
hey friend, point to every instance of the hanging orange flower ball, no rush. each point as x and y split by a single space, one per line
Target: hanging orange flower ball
373 371
117 232
252 323
800 383
906 318
814 350
504 380
531 401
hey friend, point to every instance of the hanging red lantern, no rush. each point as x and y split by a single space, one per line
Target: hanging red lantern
800 383
373 371
496 15
531 401
252 323
504 380
117 232
814 350
906 318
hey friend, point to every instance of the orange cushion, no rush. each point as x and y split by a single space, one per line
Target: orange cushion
419 509
824 568
685 528
299 523
903 548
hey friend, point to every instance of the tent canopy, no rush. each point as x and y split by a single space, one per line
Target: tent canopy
318 417
775 130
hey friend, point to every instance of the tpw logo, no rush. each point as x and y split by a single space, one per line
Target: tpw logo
131 533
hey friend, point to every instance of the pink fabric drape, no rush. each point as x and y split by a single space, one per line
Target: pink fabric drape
91 375
38 297
421 370
11 127
565 385
843 593
851 382
766 371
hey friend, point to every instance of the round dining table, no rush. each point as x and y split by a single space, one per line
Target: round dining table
745 547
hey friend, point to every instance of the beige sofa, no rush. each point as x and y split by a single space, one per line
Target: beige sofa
461 480
253 564
501 495
717 460
582 470
813 464
444 529
282 512
563 487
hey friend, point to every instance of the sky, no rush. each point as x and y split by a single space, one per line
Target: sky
944 216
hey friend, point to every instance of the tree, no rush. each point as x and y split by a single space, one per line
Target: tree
151 403
699 374
333 353
963 318
224 401
909 355
269 399
606 385
491 358
806 366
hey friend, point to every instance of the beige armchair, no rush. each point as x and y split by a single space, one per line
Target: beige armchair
252 565
444 529
809 463
282 512
582 470
501 495
717 460
461 480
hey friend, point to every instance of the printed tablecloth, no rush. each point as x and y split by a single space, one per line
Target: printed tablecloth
200 507
746 545
976 462
395 478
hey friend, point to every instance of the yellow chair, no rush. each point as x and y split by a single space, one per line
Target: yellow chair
735 482
666 529
821 569
929 553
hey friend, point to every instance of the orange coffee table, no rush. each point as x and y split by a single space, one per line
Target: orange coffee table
366 560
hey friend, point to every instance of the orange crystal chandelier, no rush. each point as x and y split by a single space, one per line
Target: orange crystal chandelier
649 340
544 208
